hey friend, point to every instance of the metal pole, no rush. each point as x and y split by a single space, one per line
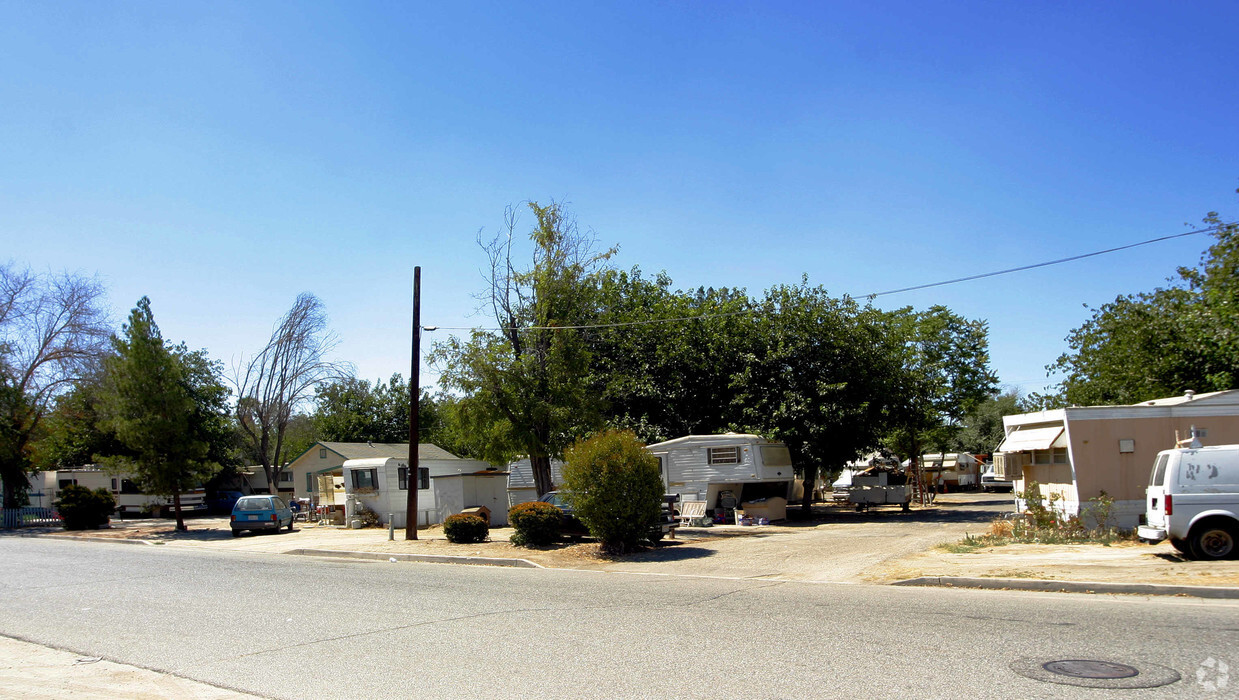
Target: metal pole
412 482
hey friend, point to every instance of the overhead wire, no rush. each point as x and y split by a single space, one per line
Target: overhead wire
869 297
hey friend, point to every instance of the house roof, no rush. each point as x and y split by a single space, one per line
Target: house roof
398 450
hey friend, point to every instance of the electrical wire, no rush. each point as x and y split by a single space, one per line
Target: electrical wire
870 296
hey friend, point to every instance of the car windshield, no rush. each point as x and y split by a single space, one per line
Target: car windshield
254 504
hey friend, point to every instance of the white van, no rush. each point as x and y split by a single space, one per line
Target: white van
1193 498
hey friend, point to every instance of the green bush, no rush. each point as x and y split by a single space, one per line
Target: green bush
615 489
465 528
536 523
83 509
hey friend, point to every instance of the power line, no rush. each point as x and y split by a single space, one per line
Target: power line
1045 264
870 297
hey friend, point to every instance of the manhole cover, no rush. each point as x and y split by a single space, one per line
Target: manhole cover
1095 673
1082 668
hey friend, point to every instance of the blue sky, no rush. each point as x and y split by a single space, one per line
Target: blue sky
223 157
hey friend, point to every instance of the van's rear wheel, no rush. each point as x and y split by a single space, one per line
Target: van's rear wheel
1213 540
1180 545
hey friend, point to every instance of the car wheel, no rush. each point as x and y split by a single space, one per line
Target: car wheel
290 524
1212 541
1180 545
236 533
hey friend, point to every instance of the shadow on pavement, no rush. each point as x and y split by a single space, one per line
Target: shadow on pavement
670 551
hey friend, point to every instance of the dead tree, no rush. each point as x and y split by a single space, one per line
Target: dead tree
280 379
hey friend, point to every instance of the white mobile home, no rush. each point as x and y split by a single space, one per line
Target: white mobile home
129 497
521 488
725 470
381 484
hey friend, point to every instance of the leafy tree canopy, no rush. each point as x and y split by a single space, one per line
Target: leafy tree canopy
167 407
1160 343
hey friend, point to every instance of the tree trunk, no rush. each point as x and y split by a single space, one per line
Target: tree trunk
176 505
810 481
914 468
542 474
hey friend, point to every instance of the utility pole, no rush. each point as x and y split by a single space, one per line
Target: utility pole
415 391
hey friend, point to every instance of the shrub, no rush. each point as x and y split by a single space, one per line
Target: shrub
465 528
615 488
83 509
536 523
367 517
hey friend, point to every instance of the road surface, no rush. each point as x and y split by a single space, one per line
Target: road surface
289 626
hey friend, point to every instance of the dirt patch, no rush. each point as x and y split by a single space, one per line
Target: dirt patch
1117 563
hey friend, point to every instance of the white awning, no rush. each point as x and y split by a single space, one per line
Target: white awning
1023 440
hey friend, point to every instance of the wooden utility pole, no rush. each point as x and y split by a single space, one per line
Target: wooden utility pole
415 390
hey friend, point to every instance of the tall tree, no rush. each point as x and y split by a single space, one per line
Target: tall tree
946 374
523 383
53 330
1160 343
823 377
167 407
274 385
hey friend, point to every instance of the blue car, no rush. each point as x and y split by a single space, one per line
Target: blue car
260 513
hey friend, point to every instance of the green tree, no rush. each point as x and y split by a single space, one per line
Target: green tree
73 433
168 409
1160 343
615 488
523 385
660 375
53 330
822 376
946 375
981 430
356 410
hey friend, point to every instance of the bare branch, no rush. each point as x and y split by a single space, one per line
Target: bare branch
281 378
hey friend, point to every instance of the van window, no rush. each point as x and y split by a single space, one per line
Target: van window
1159 471
1210 470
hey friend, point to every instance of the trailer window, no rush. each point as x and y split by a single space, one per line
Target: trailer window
128 487
776 456
363 478
724 455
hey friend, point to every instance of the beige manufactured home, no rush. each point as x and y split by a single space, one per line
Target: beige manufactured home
1076 453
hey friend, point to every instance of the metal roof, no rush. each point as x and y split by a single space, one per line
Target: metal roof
387 450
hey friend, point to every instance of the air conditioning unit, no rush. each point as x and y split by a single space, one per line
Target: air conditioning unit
1010 465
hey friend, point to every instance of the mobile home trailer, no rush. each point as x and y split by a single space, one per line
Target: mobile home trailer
129 496
521 487
725 470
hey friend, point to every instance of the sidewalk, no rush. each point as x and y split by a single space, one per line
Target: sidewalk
34 671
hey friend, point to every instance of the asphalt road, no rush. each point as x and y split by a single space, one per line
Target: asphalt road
287 626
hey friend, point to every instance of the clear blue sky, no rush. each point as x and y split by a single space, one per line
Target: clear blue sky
223 157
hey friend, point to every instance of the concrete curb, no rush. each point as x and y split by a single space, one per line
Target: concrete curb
431 558
81 538
1070 586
